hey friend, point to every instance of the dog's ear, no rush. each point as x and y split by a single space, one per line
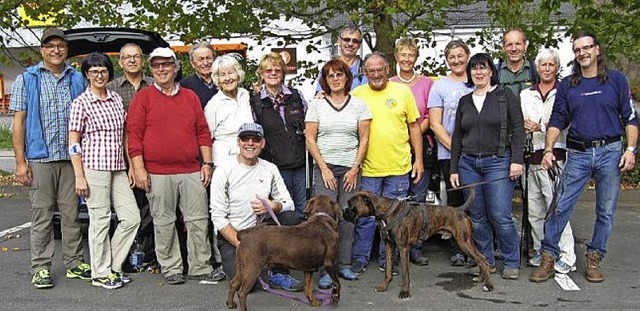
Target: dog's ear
337 210
309 208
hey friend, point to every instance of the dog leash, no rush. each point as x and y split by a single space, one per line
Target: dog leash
487 181
323 295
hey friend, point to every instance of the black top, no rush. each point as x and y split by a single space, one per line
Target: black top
196 84
478 134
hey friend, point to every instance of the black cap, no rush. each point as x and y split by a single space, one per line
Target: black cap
52 32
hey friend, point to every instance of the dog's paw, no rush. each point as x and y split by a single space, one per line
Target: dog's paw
487 288
231 305
315 302
380 288
335 299
404 294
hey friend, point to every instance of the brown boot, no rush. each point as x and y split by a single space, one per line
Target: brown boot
594 272
545 271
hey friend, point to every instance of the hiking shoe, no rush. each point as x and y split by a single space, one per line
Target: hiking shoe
545 271
535 260
475 271
109 282
419 260
347 274
510 273
594 272
42 279
394 268
325 281
358 266
82 271
457 260
212 277
174 279
285 281
122 277
562 267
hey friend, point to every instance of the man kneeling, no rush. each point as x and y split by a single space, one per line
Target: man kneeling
236 189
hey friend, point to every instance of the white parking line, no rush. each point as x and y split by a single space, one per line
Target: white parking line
15 229
565 282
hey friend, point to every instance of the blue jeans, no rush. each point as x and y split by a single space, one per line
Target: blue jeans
419 190
491 209
602 164
389 187
296 182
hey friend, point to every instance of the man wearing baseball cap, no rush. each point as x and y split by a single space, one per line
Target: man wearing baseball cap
40 143
238 189
168 135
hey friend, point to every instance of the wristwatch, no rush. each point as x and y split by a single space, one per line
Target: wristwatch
633 150
208 163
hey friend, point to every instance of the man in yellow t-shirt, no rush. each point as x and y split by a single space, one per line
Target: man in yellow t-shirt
387 168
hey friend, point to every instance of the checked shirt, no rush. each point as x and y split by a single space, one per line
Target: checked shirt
101 123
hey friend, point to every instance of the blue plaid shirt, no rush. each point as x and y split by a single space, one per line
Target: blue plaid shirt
55 102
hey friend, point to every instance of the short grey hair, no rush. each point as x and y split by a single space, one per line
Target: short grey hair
130 45
350 28
547 54
224 62
199 45
376 54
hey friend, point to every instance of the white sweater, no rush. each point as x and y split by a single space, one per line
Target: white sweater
534 109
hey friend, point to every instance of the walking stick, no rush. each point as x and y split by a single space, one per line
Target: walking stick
526 240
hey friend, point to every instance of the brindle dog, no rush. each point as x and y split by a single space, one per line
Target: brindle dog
306 247
406 223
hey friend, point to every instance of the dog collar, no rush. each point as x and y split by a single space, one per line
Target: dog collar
323 214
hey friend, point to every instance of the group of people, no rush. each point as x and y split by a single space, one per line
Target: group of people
229 160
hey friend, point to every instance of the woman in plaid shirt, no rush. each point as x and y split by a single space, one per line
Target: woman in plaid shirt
96 145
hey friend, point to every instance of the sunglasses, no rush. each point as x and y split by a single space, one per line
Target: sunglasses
273 71
351 40
162 65
246 139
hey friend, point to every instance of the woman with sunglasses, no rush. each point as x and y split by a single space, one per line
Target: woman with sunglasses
337 135
280 111
96 145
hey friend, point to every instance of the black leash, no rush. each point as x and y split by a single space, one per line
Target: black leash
487 181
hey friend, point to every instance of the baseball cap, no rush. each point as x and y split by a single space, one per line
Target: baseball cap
251 129
162 52
52 32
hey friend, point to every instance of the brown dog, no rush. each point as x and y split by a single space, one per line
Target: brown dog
405 223
306 247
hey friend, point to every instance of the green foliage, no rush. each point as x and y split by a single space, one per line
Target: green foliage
5 139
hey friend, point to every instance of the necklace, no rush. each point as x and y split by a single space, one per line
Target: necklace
408 80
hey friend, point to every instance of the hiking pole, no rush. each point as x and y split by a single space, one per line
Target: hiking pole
525 237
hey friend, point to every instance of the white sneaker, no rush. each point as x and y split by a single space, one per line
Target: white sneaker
562 267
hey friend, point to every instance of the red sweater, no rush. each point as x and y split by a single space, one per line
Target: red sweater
167 131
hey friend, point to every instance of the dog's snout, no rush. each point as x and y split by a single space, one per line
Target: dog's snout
350 214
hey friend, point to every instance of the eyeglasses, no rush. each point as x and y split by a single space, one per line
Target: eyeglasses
351 40
405 55
246 139
335 76
127 58
585 49
273 71
376 70
96 73
162 65
52 47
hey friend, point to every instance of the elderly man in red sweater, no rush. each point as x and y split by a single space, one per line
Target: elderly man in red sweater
168 135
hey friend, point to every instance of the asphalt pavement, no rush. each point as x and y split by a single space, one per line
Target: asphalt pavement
437 286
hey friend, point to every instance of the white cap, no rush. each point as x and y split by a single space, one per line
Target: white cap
162 52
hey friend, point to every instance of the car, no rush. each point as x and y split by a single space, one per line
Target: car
83 41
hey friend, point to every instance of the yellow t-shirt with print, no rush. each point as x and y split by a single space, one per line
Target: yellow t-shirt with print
393 108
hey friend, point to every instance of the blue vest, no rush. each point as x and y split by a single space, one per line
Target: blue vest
35 145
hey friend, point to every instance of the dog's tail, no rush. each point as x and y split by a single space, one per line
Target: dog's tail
472 196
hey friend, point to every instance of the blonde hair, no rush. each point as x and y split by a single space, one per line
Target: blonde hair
407 43
272 58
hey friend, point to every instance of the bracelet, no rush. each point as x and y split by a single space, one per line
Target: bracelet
208 163
75 149
547 151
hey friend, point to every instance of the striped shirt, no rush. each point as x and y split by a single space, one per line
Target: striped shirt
126 90
338 129
55 97
101 123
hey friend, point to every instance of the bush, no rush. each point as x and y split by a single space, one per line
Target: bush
5 139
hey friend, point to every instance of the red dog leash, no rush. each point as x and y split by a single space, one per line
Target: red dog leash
324 295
